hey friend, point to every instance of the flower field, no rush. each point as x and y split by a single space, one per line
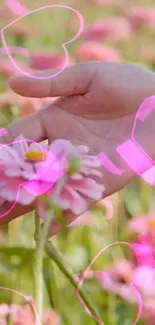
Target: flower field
100 269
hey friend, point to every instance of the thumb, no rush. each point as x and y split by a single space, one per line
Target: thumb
73 80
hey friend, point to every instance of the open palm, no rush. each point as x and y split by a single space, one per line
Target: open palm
96 106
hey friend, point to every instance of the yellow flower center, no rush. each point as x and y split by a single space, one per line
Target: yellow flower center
36 156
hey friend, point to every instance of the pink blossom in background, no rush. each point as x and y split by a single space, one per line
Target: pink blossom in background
120 277
123 276
145 226
144 277
43 61
116 28
95 51
141 16
23 315
16 7
144 247
29 170
141 224
144 253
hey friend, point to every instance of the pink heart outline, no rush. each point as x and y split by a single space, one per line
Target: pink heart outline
131 145
139 298
63 45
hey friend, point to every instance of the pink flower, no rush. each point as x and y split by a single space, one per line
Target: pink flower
4 310
16 7
144 253
140 16
21 315
116 28
29 170
32 168
144 277
118 281
3 321
142 224
123 277
138 224
95 51
43 61
81 185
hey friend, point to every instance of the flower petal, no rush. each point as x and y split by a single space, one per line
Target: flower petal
62 145
6 153
88 187
77 204
25 198
91 172
12 170
91 161
20 145
9 194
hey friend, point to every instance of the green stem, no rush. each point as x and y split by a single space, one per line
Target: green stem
40 237
65 268
38 270
50 285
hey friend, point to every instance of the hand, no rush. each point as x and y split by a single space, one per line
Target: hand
96 106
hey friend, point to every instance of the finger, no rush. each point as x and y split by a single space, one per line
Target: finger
71 81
